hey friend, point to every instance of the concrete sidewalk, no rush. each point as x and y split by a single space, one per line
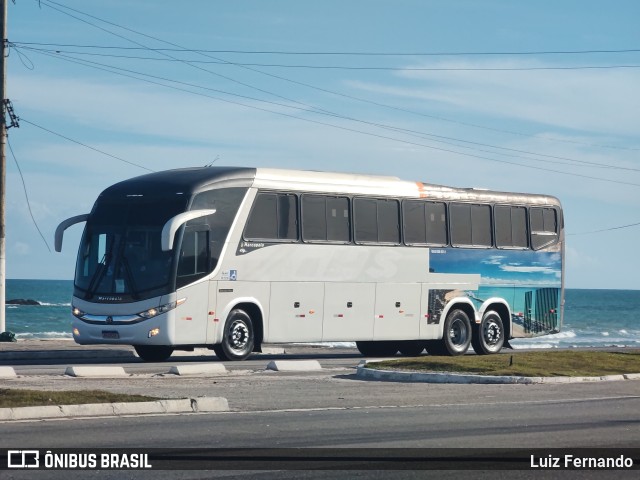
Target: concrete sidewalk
179 405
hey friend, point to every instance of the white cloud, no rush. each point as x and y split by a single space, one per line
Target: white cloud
601 101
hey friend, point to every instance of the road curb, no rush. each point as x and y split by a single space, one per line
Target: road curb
199 369
294 366
436 377
93 371
7 372
181 405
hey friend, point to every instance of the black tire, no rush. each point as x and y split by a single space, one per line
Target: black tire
411 348
489 336
456 335
237 338
153 353
377 349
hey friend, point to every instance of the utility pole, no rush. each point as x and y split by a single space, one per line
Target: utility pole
3 162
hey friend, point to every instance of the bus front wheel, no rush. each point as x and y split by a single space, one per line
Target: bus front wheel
153 353
488 337
237 337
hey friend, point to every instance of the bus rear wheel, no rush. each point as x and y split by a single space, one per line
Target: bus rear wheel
153 353
488 337
456 335
237 338
377 349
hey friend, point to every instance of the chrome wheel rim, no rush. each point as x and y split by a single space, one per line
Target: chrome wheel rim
238 336
492 333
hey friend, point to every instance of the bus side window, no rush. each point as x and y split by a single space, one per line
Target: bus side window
377 220
470 225
193 262
544 227
273 217
425 223
325 219
511 226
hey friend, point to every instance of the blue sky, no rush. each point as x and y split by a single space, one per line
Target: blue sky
460 120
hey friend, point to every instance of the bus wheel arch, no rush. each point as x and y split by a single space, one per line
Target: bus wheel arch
238 336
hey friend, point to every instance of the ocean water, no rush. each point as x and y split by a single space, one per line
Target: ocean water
592 318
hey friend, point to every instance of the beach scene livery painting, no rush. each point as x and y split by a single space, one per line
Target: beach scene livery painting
530 281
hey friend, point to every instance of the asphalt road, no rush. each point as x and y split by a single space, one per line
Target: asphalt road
333 408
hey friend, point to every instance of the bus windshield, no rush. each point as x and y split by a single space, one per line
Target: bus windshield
120 254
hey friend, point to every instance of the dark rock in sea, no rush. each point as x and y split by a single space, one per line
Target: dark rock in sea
22 301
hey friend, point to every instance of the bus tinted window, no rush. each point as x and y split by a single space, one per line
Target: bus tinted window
388 221
338 225
436 223
519 227
377 220
225 201
470 225
544 227
273 217
425 223
511 226
460 217
325 218
366 223
314 218
193 262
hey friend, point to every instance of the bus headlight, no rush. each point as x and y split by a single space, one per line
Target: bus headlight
155 311
76 312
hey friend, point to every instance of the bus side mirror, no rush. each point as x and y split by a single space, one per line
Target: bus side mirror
173 224
63 226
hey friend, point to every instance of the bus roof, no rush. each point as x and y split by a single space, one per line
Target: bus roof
193 180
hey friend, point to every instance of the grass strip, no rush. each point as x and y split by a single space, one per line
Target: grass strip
527 364
37 398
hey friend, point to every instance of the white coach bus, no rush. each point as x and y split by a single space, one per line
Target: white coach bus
234 258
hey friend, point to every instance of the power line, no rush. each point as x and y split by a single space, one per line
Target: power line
84 145
348 67
49 2
606 229
435 138
371 134
26 194
338 53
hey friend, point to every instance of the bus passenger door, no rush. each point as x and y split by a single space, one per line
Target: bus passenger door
296 311
397 311
193 265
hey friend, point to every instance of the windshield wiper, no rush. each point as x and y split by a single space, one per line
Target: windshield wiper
97 276
132 283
